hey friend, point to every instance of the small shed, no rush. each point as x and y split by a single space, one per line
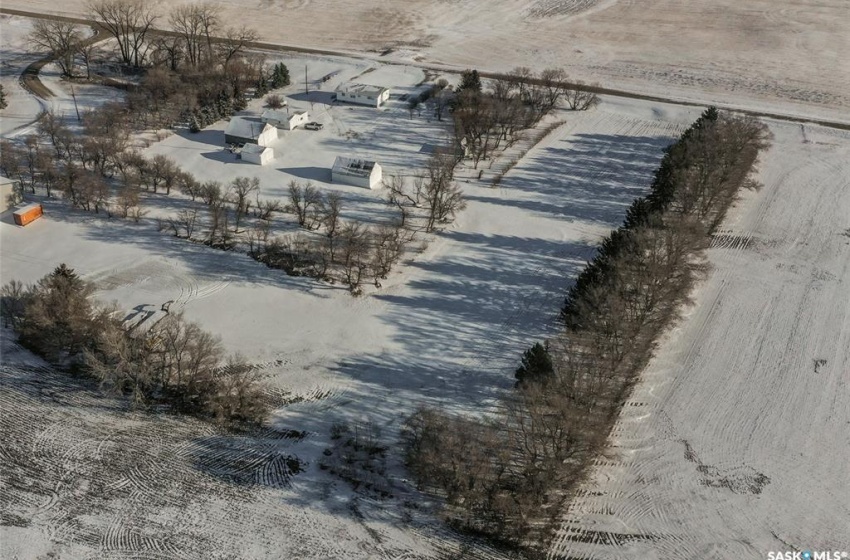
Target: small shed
285 119
261 155
248 130
357 172
27 213
10 193
362 94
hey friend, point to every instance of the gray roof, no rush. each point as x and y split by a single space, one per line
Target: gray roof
361 89
353 166
245 127
254 148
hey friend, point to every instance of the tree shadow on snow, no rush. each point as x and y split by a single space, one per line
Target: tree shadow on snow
588 177
322 174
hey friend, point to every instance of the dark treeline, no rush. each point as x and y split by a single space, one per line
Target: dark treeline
171 362
508 477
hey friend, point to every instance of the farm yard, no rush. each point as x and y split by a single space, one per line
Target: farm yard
737 425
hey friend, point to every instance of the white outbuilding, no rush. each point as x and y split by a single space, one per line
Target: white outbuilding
362 94
357 172
249 130
261 155
285 119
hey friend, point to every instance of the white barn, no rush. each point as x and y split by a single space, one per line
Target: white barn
284 119
362 94
245 130
261 155
357 172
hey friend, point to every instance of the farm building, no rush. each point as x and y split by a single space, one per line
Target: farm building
357 172
27 213
245 130
362 94
10 193
285 119
261 155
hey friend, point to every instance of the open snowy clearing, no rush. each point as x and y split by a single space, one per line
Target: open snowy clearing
446 329
735 443
786 54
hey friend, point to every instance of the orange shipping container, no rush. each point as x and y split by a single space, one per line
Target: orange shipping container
26 214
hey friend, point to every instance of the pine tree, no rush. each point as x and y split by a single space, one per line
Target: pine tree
3 103
469 80
280 76
536 365
262 86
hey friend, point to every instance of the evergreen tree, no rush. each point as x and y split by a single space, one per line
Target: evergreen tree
469 80
3 103
60 319
280 76
536 365
262 86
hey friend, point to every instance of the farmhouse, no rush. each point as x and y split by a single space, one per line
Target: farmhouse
245 130
357 172
10 193
261 155
362 94
285 119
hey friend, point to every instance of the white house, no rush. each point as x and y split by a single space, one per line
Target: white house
362 94
247 130
357 172
261 155
284 119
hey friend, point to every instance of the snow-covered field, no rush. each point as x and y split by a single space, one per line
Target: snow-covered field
789 55
735 443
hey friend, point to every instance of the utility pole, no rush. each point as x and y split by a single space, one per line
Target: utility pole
306 87
77 109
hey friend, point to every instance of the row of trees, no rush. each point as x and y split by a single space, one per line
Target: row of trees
351 251
198 35
195 74
174 361
484 121
508 477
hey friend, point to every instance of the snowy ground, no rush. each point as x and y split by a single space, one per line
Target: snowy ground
445 330
23 107
735 443
786 54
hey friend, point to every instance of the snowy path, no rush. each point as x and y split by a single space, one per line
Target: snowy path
736 441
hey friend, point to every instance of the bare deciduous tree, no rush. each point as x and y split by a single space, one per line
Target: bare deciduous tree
129 21
60 39
241 190
580 97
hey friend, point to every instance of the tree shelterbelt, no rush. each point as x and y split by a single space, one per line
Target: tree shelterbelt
173 362
509 476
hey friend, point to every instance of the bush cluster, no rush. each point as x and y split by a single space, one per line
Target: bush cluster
172 361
